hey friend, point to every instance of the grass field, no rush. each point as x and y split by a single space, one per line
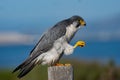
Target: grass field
82 71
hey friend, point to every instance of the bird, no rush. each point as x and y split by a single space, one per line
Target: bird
52 45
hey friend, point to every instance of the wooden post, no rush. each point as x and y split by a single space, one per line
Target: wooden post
60 73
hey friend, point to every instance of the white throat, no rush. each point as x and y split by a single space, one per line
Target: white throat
70 31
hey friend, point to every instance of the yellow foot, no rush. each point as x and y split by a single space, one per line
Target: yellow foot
58 64
67 64
79 43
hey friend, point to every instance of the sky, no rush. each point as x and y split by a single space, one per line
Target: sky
23 21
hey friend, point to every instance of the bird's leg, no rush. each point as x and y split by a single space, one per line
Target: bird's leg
58 64
68 64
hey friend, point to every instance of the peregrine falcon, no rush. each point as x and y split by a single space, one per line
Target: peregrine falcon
53 44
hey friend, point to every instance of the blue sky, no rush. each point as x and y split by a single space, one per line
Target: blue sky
23 21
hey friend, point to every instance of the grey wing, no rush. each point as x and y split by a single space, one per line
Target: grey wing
45 43
47 40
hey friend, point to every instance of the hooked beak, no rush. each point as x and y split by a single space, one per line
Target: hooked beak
82 23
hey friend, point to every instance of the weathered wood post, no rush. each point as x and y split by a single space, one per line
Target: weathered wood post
60 73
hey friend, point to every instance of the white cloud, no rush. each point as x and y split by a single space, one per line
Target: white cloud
99 35
7 38
16 38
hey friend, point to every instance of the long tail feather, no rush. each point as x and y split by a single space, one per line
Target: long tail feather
25 67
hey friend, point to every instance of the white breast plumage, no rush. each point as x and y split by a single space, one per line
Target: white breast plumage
70 31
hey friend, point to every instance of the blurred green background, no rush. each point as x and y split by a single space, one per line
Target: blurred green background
83 70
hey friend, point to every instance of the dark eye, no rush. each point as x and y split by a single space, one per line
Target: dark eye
78 24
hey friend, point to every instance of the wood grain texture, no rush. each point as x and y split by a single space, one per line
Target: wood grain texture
60 73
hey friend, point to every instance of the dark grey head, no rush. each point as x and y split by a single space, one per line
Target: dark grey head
78 20
75 20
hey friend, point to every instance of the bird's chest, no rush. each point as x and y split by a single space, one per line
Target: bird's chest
70 32
59 45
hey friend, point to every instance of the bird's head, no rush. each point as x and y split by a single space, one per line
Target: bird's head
79 43
77 21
